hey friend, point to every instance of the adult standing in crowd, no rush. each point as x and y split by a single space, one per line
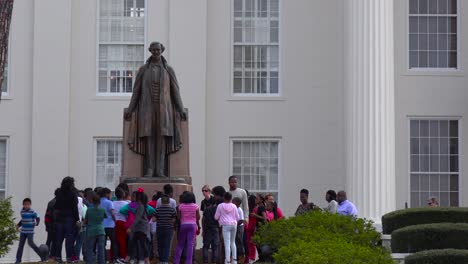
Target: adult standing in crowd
332 206
49 220
67 219
345 207
305 206
273 211
208 198
240 193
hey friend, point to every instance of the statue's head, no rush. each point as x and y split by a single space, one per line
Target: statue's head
155 45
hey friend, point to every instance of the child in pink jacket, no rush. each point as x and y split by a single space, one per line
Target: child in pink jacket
227 216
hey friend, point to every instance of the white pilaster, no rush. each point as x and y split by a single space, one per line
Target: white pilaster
369 88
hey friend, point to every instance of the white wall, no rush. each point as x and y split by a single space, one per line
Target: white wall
309 117
429 94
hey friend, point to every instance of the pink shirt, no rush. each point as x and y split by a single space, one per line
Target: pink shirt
188 213
226 214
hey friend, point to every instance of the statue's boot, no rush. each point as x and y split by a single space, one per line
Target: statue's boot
161 174
149 173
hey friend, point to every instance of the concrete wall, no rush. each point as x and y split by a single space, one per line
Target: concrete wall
427 94
308 117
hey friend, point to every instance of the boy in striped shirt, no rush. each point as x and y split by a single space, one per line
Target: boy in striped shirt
29 220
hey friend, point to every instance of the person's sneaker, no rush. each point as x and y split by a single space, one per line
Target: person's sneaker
120 261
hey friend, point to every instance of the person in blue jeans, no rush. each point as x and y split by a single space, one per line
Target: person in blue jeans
165 219
109 222
29 220
95 234
67 219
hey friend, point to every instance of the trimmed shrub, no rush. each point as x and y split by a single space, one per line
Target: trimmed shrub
7 226
415 216
334 250
439 256
315 226
318 237
416 238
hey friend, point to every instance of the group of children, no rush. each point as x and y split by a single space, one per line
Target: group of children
135 226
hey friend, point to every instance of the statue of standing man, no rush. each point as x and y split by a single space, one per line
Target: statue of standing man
157 111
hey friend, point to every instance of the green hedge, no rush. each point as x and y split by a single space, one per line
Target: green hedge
333 250
314 226
438 256
415 216
318 237
417 238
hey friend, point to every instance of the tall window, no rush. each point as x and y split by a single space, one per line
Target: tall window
3 167
433 34
435 171
256 47
108 162
121 44
256 164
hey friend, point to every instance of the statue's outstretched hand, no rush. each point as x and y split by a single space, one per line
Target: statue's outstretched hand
183 115
127 115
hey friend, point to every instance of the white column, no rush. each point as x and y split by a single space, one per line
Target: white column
369 89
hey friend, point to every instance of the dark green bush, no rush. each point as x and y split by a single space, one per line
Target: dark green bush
438 256
318 237
415 216
430 236
7 226
315 226
333 250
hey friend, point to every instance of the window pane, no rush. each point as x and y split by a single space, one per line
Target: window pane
444 182
108 162
414 59
415 163
453 182
454 128
259 164
121 48
423 6
423 42
433 6
423 25
443 6
424 147
438 156
452 6
256 32
424 163
414 185
424 128
413 6
454 199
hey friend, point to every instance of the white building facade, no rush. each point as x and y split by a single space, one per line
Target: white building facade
367 96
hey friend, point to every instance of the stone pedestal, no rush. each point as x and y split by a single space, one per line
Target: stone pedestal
369 87
178 172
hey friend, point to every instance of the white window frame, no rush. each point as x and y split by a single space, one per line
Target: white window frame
109 95
266 139
433 71
7 155
255 96
460 152
95 141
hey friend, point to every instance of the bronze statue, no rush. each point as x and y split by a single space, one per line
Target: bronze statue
155 112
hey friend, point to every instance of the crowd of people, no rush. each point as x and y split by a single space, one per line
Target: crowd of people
140 230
